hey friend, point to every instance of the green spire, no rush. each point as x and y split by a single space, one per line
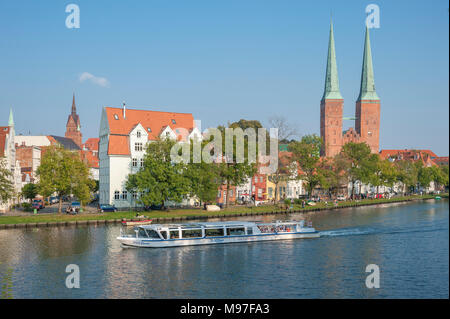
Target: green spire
331 78
367 91
11 120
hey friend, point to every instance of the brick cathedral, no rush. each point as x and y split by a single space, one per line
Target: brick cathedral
73 127
367 115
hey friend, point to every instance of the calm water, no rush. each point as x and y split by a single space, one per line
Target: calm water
409 242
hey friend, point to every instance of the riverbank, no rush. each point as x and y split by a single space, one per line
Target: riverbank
47 220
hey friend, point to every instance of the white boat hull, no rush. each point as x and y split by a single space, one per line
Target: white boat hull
160 243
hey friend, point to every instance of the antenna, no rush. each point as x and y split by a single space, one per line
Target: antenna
124 109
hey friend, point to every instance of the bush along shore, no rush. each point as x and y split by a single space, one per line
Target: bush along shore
56 219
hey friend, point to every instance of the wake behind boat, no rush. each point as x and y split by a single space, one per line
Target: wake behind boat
173 235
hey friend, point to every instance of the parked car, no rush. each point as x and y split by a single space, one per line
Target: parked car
38 204
74 208
107 208
340 197
53 200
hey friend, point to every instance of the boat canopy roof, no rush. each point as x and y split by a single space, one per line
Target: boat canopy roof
218 224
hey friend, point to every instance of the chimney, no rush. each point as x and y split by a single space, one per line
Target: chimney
124 110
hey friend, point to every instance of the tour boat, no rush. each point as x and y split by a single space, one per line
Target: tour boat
172 235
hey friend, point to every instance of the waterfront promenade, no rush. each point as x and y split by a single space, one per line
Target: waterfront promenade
29 220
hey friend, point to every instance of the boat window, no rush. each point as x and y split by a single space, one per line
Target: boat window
235 231
285 228
164 234
249 230
142 233
214 232
266 229
192 233
174 234
152 234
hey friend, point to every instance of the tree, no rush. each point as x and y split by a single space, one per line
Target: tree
64 173
407 173
385 173
306 153
438 176
285 130
6 183
424 175
203 178
283 172
362 164
159 180
230 171
29 191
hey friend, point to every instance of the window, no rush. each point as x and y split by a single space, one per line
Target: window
116 195
149 129
138 147
256 179
142 162
152 234
116 116
214 232
134 162
260 179
249 231
259 192
173 122
230 193
270 191
125 195
235 231
138 134
191 233
134 194
164 234
219 194
174 234
142 233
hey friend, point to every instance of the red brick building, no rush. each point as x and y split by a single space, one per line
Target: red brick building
73 126
367 114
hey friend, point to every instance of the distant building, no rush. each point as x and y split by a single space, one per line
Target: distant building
124 134
8 156
73 126
427 157
367 115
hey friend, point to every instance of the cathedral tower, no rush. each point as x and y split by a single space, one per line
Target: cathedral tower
368 103
73 127
331 105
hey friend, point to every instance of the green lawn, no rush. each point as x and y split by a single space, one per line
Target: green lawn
183 213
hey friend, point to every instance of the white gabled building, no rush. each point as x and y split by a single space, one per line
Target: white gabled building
123 135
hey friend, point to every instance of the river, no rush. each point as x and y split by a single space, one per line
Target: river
409 242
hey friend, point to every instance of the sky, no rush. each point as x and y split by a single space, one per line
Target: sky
223 61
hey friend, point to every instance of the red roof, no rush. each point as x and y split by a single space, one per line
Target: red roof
91 144
426 156
152 121
388 153
91 159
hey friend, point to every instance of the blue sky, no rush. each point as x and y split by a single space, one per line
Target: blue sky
223 61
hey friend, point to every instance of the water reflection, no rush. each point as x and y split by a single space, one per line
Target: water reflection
408 241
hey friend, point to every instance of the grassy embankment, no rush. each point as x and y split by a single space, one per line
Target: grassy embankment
179 214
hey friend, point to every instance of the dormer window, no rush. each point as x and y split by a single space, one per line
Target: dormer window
149 129
173 121
116 116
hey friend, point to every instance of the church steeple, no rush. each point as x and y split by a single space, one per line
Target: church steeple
367 90
11 120
331 79
74 108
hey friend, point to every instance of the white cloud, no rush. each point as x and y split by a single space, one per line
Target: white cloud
94 79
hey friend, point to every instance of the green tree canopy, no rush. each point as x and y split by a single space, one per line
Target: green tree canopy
6 183
64 173
159 180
